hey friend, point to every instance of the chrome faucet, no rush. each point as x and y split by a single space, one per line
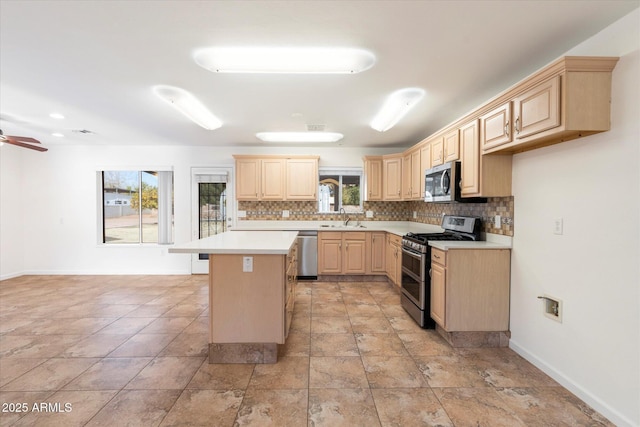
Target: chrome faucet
344 221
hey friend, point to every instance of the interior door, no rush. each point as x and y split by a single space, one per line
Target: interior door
212 207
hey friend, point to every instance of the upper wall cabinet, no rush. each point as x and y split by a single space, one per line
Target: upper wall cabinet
411 175
392 177
373 178
276 177
451 146
568 99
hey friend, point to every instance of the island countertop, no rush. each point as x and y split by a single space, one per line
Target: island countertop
241 242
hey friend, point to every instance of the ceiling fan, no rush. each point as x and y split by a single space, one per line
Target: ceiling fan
21 141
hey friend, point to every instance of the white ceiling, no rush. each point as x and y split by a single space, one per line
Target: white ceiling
96 61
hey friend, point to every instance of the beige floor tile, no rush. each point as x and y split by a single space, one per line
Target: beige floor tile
168 325
328 309
392 372
364 310
404 324
380 345
127 325
136 408
9 324
275 408
188 345
22 404
198 326
337 372
300 323
204 408
342 408
409 407
143 345
331 325
185 310
476 406
297 344
289 373
51 375
425 343
150 310
12 367
25 346
333 345
228 376
371 325
96 345
166 373
109 374
449 371
550 406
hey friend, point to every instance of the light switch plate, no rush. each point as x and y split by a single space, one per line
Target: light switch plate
369 214
558 226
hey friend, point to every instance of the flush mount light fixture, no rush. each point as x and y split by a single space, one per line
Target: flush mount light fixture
56 116
188 105
304 60
396 107
299 136
58 134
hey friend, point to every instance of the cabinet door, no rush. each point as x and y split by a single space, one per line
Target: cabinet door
390 265
354 256
247 179
470 159
392 178
406 177
329 256
416 174
438 294
373 177
451 146
437 151
273 179
397 253
302 179
495 127
377 253
538 109
425 163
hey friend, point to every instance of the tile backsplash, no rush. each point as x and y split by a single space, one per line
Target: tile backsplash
417 211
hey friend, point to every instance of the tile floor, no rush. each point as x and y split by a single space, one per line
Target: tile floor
131 350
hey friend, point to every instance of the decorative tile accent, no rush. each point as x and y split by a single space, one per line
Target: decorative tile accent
425 213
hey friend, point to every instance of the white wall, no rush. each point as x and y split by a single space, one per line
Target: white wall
54 196
594 185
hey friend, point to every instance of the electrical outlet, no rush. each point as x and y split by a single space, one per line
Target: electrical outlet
557 226
247 264
285 214
369 214
497 223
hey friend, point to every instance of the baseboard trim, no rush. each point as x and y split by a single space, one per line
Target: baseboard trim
596 403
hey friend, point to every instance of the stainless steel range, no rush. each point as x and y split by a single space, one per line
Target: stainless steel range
416 264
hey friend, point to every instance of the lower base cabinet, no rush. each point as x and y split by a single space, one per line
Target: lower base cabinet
394 258
470 289
342 252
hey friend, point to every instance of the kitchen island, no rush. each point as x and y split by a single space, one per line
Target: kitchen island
252 276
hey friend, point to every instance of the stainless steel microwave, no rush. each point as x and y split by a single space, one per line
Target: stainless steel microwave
442 185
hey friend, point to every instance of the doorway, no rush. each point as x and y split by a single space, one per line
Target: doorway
211 208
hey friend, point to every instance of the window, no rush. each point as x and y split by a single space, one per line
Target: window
137 206
340 188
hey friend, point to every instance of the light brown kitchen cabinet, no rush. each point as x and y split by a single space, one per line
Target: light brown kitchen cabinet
425 163
276 177
373 178
392 177
375 252
341 252
568 99
482 176
411 175
451 146
495 127
470 289
437 151
302 178
394 258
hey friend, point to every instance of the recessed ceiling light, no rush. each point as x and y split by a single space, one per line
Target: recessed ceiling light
396 106
188 105
311 60
300 136
56 116
57 134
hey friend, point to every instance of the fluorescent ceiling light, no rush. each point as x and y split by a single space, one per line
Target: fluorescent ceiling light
56 116
58 134
396 107
312 60
188 105
300 136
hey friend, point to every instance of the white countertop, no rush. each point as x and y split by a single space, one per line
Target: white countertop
399 228
241 242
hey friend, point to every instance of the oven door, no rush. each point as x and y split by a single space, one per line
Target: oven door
413 276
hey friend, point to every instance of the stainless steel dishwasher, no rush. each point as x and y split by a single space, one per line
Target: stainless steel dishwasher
307 255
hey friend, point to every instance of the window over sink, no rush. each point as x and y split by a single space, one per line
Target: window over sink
340 188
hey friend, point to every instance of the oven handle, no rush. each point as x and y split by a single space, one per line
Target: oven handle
412 275
412 253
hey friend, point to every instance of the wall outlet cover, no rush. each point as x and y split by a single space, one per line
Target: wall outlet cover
285 214
369 214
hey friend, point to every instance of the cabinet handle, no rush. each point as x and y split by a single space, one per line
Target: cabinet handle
517 124
347 247
436 256
506 128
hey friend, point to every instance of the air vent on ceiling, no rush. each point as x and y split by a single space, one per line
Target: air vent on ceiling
315 128
85 131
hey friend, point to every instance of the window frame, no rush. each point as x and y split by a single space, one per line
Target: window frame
100 206
340 172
